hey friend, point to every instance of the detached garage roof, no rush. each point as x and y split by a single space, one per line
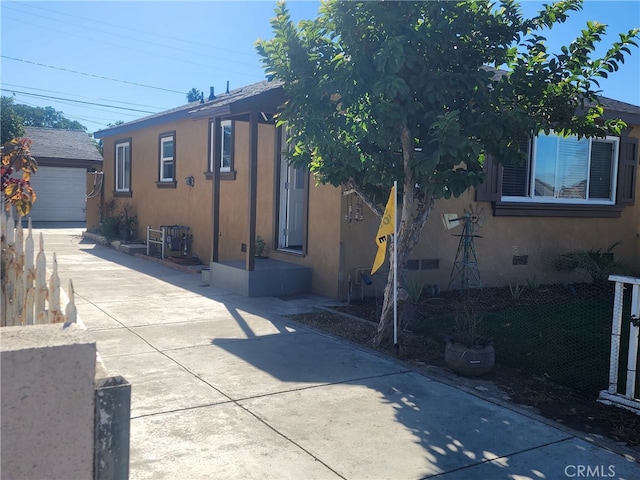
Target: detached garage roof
64 148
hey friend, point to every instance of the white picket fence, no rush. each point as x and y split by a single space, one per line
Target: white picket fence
628 396
27 298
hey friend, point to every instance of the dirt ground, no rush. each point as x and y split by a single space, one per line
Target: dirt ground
558 403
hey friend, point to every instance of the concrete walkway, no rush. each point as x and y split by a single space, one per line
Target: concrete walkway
225 387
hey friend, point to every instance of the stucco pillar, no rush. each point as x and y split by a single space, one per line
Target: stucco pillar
47 402
253 190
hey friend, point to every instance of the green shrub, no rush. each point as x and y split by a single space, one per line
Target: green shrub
414 288
596 263
110 228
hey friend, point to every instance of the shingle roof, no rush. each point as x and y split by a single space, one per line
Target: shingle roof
62 144
630 113
185 111
618 106
239 94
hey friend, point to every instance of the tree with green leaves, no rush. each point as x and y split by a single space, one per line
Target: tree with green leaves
194 95
423 92
47 117
11 124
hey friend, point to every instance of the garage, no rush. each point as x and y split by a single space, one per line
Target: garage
64 157
60 194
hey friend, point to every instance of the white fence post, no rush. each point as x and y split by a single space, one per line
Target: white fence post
630 399
24 295
632 358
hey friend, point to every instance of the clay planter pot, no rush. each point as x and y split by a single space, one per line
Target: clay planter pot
470 362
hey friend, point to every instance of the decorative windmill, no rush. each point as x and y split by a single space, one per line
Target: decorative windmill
465 267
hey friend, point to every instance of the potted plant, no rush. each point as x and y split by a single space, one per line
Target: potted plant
261 247
468 351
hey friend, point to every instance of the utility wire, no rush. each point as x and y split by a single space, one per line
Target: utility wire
39 7
81 96
92 108
120 36
89 74
145 52
49 97
76 117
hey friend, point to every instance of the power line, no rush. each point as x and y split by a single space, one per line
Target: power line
127 47
49 97
92 108
81 96
39 7
120 36
76 117
89 74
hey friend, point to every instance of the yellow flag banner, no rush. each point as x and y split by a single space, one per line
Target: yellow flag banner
386 228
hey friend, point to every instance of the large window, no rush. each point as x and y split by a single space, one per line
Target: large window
167 158
563 170
564 177
123 166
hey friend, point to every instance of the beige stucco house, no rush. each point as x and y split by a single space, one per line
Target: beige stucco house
218 168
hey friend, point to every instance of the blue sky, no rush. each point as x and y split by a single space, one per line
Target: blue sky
142 57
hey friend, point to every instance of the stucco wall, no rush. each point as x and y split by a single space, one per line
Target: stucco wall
92 205
234 198
47 402
323 240
324 203
183 205
541 239
335 248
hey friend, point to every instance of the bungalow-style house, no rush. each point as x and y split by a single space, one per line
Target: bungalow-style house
62 182
217 167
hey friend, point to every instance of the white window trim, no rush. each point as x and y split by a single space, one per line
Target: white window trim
164 160
212 143
225 123
573 201
126 180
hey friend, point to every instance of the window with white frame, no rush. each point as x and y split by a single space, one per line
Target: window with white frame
562 169
167 160
226 147
222 145
123 166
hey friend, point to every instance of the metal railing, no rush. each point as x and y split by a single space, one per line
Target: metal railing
156 237
630 398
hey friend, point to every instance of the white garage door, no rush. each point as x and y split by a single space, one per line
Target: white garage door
60 194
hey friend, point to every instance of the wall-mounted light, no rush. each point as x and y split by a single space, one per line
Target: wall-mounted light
190 181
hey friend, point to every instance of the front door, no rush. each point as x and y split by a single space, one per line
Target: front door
292 194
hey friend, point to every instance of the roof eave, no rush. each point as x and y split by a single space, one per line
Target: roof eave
67 162
137 125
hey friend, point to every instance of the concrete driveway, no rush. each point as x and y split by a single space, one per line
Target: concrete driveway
225 387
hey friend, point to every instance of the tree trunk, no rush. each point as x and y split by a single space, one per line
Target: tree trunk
414 214
385 326
407 238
